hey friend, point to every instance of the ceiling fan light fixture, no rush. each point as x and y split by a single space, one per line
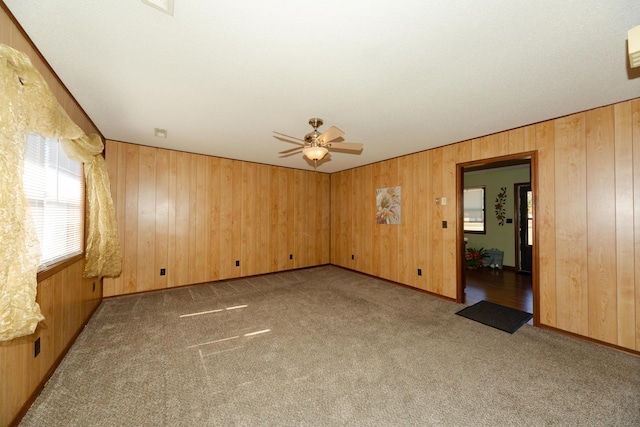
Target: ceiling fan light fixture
315 153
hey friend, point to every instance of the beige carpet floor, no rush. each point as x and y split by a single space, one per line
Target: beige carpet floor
326 346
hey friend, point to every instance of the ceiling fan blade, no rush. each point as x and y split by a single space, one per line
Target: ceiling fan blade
349 146
289 155
290 150
287 140
329 135
288 136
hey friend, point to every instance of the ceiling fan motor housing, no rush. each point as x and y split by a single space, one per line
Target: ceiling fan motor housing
315 122
312 138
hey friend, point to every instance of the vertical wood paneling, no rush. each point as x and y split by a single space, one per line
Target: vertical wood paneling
344 220
117 172
200 271
435 222
66 301
299 220
375 235
367 219
407 248
146 222
180 270
249 226
262 253
357 225
171 250
546 223
423 218
529 139
291 208
601 231
274 213
130 236
311 222
324 240
284 214
449 214
393 236
625 275
635 126
516 140
502 143
161 249
214 217
192 212
571 223
587 193
385 256
336 243
197 215
236 218
225 225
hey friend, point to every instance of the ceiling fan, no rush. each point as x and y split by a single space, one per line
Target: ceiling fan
316 145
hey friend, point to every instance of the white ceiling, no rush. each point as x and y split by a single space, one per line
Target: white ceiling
399 76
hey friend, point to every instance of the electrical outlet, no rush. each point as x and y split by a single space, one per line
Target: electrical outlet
36 347
163 271
419 272
238 263
353 256
290 256
444 224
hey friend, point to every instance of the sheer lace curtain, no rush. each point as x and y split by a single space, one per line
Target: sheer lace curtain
28 105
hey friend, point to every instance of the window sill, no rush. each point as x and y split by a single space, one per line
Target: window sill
50 271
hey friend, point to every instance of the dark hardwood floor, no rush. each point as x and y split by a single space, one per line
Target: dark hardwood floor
504 287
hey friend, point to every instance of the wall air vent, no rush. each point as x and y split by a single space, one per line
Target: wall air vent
164 5
634 47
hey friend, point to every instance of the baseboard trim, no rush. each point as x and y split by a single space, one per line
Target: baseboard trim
413 288
36 392
591 340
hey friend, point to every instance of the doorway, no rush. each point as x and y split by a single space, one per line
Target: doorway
514 284
524 227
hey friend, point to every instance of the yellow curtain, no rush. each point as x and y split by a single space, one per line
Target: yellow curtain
28 105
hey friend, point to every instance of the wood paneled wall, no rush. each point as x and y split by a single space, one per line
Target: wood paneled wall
196 215
588 219
66 299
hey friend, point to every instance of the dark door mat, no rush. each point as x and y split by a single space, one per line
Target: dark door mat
497 316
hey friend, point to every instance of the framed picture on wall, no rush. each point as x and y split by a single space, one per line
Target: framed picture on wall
388 205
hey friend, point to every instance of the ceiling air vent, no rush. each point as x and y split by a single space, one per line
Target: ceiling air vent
164 5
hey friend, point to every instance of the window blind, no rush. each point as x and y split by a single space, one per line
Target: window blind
474 209
54 186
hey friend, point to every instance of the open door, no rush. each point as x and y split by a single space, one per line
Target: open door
524 228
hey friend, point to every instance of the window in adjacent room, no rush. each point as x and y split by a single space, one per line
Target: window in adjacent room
54 186
474 212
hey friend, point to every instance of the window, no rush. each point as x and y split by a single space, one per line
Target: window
54 187
474 217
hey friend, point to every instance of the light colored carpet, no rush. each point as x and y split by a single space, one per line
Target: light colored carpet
326 346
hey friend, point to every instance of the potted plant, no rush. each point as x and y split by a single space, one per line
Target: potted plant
474 257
